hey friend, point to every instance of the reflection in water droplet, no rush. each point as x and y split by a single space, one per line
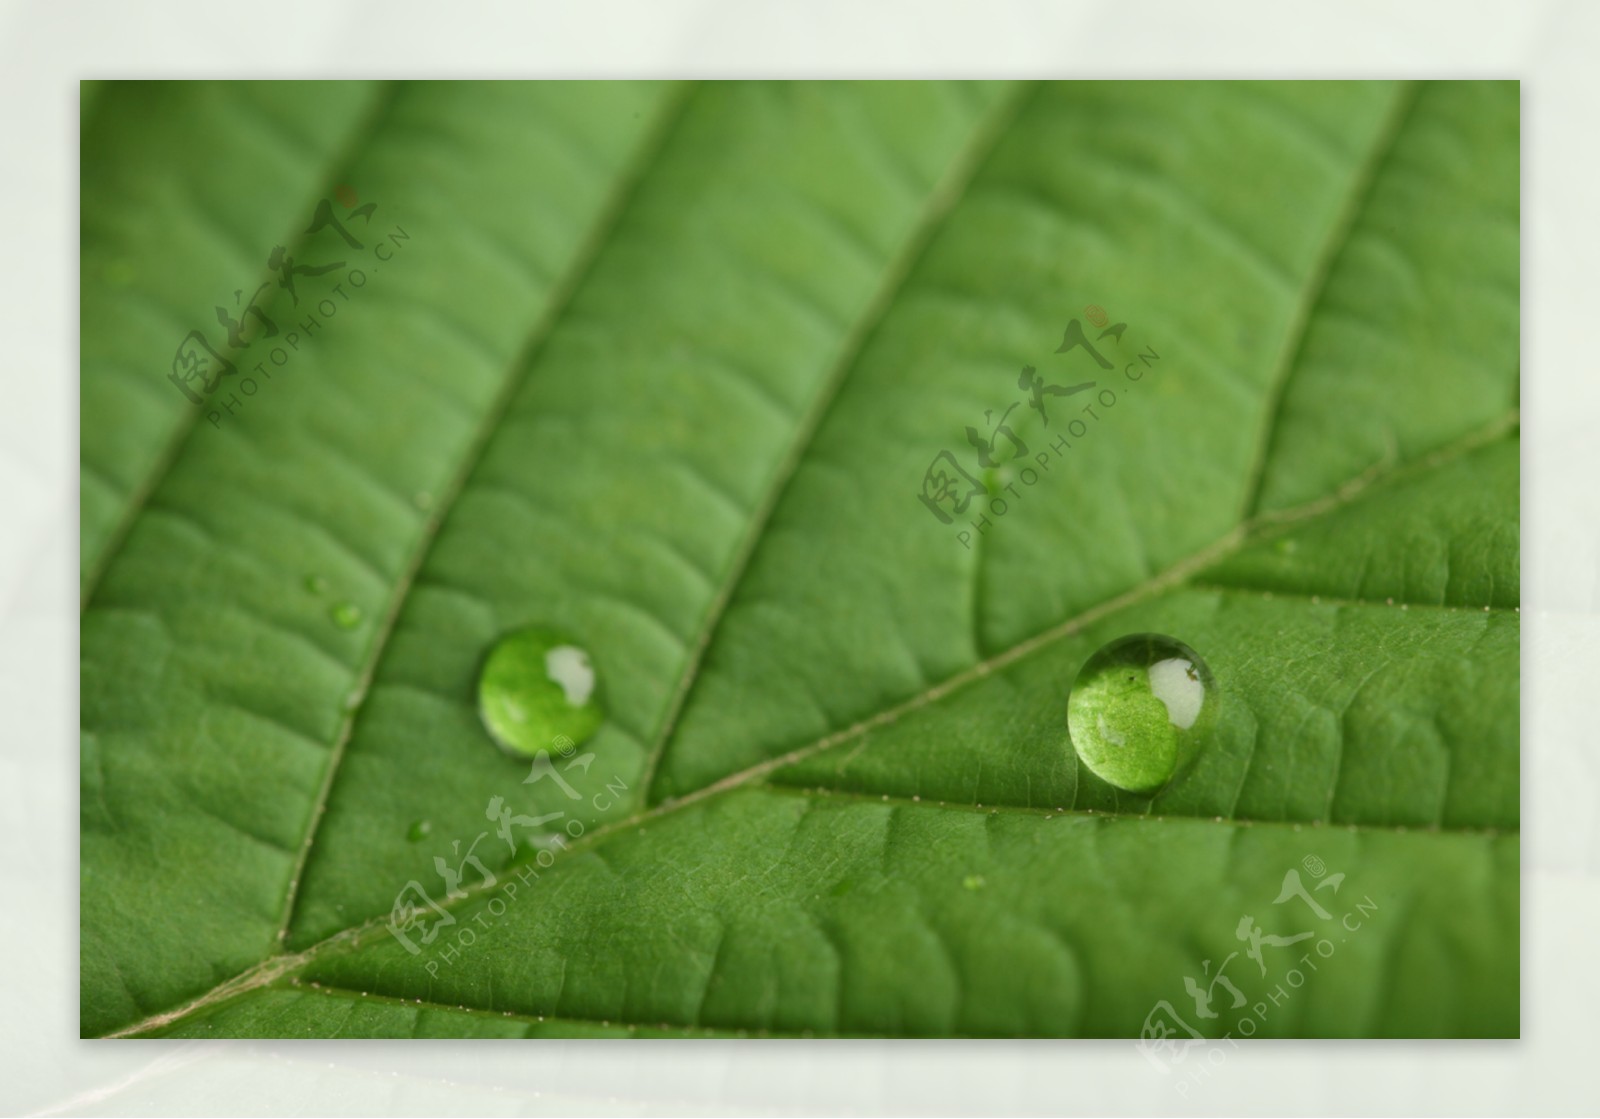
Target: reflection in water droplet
537 691
1139 710
419 830
346 615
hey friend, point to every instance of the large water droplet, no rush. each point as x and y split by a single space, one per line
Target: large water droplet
536 689
1139 710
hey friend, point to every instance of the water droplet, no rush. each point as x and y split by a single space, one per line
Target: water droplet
973 882
423 500
537 686
419 830
316 584
1287 547
346 615
1139 709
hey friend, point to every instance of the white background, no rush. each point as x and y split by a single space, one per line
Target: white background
44 49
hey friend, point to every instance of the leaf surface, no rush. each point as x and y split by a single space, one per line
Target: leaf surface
663 367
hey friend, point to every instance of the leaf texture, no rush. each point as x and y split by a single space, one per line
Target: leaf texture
664 366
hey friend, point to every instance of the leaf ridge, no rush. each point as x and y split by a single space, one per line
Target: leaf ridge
942 200
1360 195
521 366
360 136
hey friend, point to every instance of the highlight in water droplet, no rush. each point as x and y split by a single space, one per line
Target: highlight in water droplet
538 689
346 615
1139 710
419 830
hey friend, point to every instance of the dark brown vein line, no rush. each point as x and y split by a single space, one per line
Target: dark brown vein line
521 365
1339 239
338 171
944 197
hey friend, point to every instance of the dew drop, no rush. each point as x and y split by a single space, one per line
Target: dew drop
346 615
1139 710
973 882
537 686
316 584
419 830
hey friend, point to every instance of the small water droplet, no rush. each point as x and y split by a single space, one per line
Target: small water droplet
1287 547
346 615
1139 710
536 687
419 830
423 500
316 584
973 882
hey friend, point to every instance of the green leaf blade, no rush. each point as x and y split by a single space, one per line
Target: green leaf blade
663 368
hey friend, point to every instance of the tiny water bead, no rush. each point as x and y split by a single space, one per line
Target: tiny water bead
346 615
1139 709
537 690
419 831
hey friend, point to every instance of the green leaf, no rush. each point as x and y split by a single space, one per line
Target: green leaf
663 368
